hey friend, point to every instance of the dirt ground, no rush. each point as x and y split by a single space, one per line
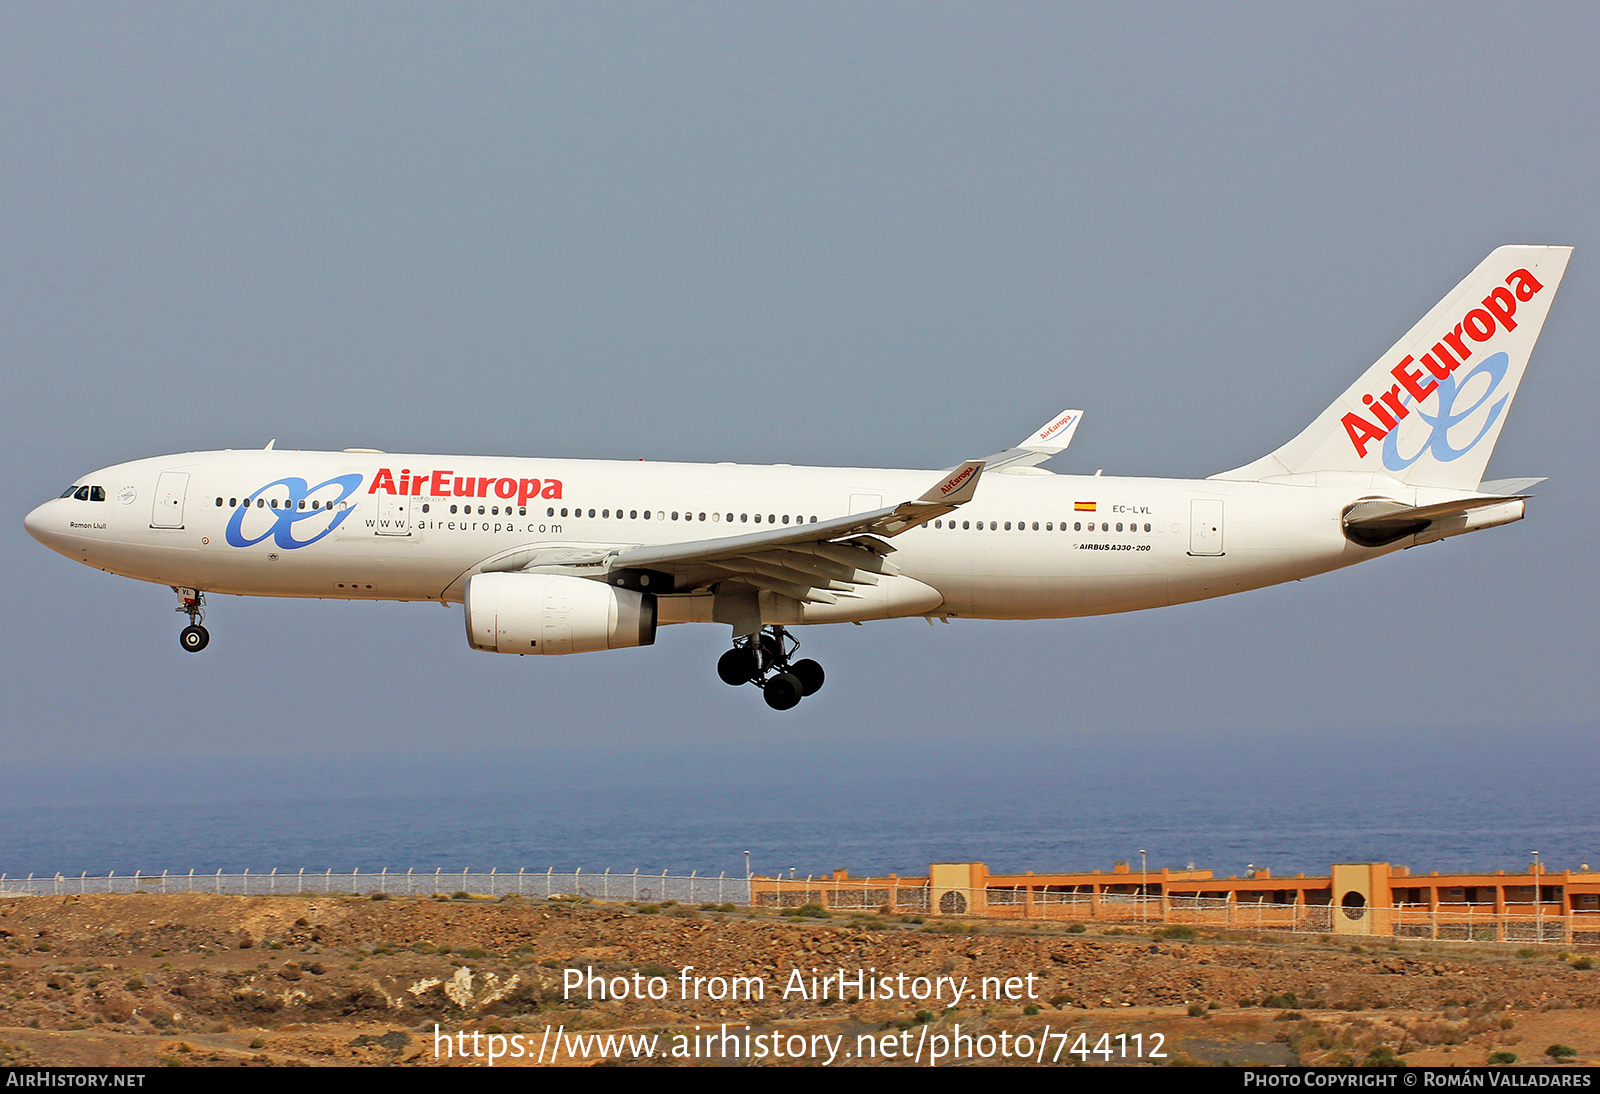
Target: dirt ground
214 980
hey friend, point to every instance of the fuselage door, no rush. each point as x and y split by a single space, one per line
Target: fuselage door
168 509
394 515
1205 526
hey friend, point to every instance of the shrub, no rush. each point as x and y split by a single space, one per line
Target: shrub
809 911
1560 1052
1180 932
1583 963
1502 1057
1197 1010
1382 1056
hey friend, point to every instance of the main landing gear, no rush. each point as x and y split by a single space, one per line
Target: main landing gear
764 660
192 603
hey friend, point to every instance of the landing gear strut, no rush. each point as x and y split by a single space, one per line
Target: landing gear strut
764 660
194 637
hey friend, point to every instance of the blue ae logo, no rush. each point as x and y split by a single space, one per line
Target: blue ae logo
292 502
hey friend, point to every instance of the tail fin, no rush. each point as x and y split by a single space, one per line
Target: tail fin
1430 410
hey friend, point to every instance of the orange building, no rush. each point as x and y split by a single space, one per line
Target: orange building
1371 898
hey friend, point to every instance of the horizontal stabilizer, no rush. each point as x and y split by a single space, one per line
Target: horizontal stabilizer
1378 522
1510 486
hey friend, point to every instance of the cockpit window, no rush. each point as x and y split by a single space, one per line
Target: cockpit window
82 493
97 493
69 491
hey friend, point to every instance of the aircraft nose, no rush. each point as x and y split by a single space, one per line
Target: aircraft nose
38 524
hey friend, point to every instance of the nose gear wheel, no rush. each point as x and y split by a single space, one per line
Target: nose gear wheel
194 637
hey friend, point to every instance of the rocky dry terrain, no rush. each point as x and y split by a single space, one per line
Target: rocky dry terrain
149 979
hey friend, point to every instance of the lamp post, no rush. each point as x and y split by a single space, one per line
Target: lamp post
1538 899
1144 884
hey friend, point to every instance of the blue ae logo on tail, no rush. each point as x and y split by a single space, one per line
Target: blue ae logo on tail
1438 437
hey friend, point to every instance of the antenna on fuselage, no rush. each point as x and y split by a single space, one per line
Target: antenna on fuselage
270 443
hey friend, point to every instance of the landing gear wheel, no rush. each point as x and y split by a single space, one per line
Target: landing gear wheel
737 666
763 659
782 691
810 675
194 638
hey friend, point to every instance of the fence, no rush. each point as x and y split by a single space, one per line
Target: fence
1524 923
606 885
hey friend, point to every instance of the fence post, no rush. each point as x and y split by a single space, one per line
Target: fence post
190 887
547 879
636 885
219 881
247 881
409 887
436 870
720 879
692 875
575 880
463 879
605 885
520 871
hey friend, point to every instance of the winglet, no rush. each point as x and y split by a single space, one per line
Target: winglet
957 487
1051 439
1056 434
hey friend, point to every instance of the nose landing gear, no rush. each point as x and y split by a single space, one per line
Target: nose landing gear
194 637
764 660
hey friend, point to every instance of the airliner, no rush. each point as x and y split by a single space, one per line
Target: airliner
551 556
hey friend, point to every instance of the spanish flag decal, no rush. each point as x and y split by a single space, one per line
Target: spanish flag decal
1084 507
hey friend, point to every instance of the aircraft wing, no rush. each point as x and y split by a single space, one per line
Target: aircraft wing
808 562
1051 439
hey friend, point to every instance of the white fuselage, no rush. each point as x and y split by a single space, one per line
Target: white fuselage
410 527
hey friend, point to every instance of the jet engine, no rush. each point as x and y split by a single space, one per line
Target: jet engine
550 614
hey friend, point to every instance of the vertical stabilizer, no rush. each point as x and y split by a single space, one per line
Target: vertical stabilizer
1430 410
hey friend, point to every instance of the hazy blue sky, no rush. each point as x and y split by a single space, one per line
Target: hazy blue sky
896 235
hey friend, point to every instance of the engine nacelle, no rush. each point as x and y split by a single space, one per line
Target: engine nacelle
550 614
